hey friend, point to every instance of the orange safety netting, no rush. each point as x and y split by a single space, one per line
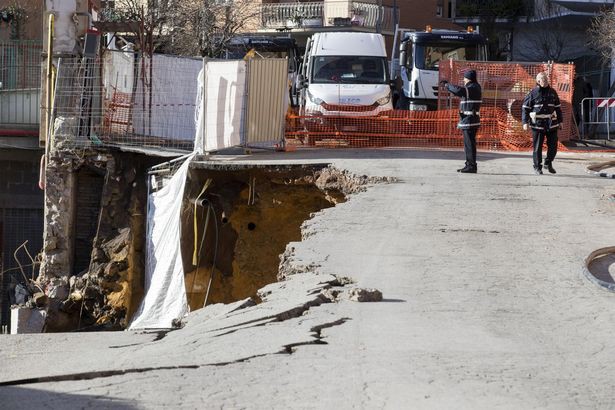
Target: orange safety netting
504 88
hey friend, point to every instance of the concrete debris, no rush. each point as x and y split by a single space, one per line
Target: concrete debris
63 132
364 295
58 288
343 280
348 183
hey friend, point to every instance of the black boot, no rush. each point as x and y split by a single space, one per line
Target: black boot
538 171
550 168
468 169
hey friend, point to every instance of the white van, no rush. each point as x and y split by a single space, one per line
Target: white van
345 74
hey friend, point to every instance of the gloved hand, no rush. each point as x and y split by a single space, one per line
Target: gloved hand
525 127
443 82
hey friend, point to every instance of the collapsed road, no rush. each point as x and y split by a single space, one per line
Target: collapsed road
484 304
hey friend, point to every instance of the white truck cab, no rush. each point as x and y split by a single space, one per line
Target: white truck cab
422 52
345 74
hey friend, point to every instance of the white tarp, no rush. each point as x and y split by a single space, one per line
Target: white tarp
165 292
220 114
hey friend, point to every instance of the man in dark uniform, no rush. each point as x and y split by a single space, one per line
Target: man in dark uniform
542 112
469 116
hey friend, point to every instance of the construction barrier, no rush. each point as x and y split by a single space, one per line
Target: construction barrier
504 88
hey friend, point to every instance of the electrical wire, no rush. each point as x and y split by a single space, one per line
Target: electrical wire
213 263
198 260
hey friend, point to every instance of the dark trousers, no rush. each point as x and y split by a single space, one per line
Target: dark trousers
469 145
538 138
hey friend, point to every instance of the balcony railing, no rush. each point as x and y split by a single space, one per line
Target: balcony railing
320 14
20 84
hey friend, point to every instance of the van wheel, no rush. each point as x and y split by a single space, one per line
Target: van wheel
403 102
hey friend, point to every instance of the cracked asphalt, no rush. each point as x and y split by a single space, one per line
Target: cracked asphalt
485 305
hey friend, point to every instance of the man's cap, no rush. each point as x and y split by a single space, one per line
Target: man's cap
470 75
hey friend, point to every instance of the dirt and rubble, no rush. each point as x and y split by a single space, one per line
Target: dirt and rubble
107 219
256 212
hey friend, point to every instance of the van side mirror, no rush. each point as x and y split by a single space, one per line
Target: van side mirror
403 52
300 83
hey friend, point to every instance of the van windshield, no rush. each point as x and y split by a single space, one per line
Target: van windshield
349 69
428 56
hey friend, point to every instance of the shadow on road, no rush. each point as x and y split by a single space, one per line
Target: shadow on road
15 397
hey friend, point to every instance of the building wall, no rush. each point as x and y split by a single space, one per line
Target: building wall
32 27
416 14
530 41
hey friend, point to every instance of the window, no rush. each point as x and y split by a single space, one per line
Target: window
428 56
349 69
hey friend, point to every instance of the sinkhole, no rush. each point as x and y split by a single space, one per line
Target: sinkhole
243 219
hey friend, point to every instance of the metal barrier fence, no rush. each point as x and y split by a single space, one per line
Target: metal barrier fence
504 88
20 84
597 118
124 99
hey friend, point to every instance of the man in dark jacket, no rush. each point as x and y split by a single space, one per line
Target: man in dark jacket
542 112
469 116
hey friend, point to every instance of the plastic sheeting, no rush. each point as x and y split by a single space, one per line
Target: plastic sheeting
165 298
220 114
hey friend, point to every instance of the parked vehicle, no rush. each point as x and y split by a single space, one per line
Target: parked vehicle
345 74
269 47
420 56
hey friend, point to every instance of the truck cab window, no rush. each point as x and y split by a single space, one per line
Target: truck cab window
430 55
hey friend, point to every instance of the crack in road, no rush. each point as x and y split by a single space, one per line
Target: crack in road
287 349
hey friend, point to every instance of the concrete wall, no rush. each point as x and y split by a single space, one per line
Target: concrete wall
31 27
417 14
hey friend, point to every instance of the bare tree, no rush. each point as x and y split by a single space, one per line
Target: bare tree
186 27
550 36
152 17
602 39
602 34
206 26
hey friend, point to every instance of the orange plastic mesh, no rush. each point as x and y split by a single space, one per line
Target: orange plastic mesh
118 111
504 87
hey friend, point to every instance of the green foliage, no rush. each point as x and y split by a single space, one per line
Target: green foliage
14 15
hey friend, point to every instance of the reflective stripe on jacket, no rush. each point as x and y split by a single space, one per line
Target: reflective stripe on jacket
469 107
542 109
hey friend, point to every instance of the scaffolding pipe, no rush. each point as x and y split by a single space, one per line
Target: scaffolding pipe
48 83
42 183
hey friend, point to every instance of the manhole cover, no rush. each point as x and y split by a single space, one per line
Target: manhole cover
600 268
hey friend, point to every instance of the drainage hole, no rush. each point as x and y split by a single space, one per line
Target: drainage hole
251 226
